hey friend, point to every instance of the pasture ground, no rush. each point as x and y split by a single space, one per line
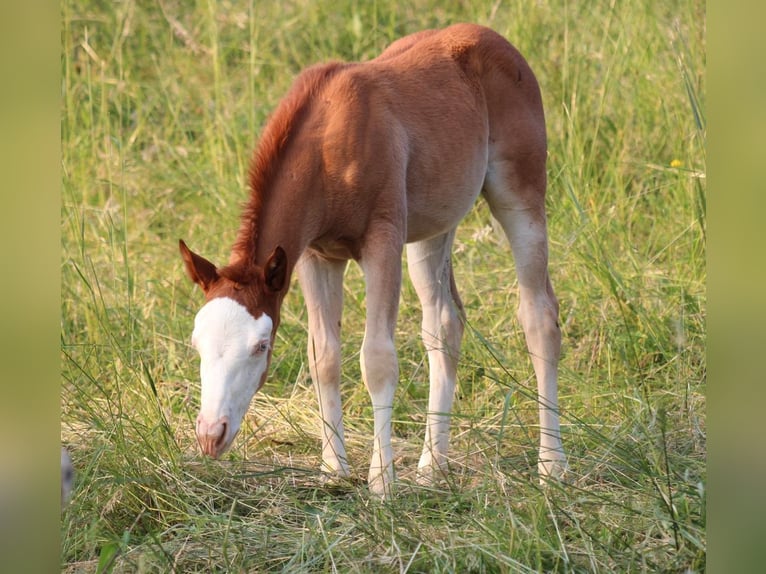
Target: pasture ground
161 106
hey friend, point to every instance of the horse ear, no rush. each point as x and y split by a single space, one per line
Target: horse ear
275 271
201 271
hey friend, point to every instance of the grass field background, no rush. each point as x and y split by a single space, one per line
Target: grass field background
161 106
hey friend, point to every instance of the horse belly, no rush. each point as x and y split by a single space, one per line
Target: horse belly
436 205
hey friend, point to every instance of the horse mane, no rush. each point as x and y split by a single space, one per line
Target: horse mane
275 139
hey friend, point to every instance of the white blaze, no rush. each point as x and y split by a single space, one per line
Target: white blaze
233 348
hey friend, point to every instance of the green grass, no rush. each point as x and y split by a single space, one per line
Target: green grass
162 103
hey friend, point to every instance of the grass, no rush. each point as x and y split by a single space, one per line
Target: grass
162 103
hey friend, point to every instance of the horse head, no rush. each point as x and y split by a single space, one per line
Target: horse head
233 334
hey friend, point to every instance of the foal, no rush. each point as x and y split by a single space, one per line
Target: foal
357 161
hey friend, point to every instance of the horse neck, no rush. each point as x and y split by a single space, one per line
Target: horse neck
290 217
286 205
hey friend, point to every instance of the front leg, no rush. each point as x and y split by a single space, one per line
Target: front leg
380 371
382 266
322 285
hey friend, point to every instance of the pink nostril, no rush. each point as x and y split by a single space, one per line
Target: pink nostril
222 437
212 438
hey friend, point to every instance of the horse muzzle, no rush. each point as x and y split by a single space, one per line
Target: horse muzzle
214 438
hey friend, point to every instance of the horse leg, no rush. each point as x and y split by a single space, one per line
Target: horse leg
381 262
430 268
322 285
519 206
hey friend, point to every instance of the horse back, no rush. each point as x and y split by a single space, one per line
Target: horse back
424 120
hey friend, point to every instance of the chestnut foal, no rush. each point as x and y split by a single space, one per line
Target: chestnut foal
357 161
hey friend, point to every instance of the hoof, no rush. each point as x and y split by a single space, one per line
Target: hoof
431 475
381 485
555 470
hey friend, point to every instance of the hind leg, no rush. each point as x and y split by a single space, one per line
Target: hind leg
430 269
520 210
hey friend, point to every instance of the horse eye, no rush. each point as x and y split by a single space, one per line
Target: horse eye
261 347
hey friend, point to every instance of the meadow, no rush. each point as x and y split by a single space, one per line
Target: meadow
162 103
